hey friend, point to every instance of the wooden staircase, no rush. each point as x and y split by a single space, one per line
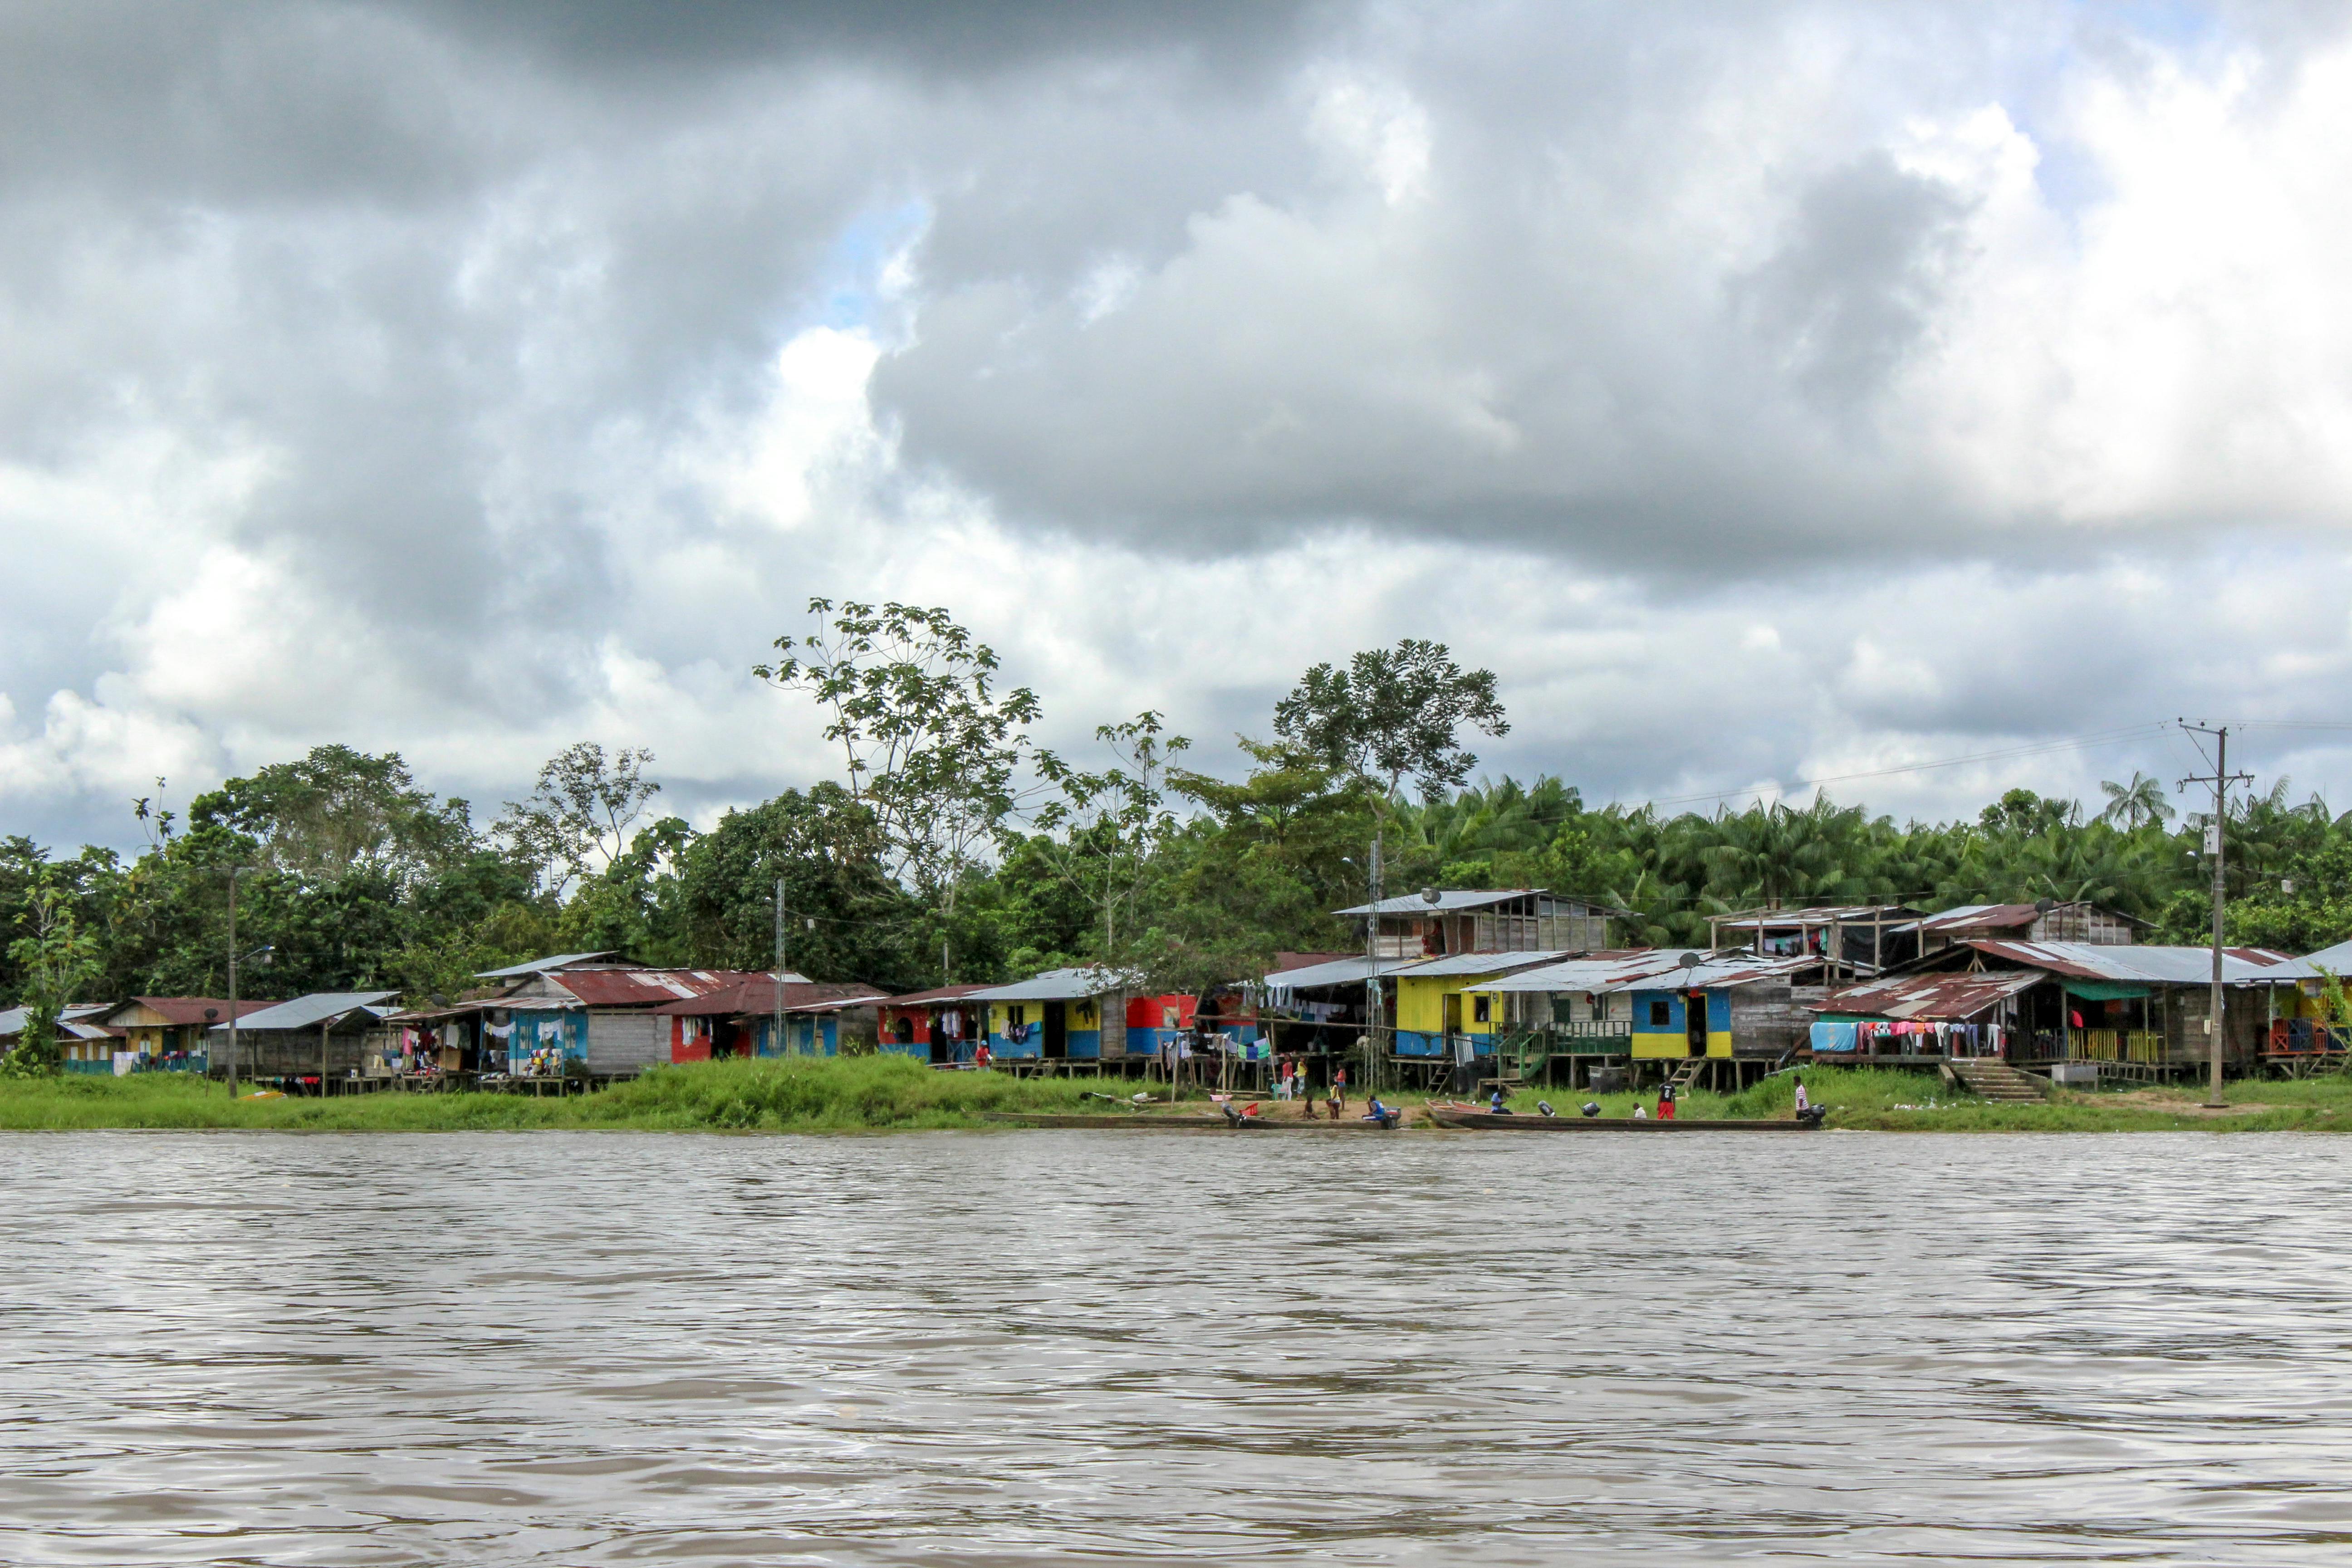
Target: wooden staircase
1687 1073
1994 1080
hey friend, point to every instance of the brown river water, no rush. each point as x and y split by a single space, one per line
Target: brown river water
1025 1347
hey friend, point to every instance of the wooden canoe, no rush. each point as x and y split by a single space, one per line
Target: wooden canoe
1185 1123
1487 1121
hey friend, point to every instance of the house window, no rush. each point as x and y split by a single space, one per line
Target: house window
1016 1015
1482 1009
1661 1015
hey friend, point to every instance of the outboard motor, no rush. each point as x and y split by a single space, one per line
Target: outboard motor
1545 1106
1591 1108
1811 1115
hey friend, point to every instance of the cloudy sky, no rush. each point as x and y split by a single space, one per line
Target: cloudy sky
1768 393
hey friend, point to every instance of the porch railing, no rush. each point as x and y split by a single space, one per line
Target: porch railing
2120 1045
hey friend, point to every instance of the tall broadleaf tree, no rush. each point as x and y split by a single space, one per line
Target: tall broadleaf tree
577 820
931 745
1394 714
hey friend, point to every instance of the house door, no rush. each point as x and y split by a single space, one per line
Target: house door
1694 1022
1451 1014
1057 1032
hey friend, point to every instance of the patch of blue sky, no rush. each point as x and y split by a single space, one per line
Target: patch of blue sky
849 292
2069 174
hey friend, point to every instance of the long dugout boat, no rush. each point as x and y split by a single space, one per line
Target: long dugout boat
1182 1124
1470 1117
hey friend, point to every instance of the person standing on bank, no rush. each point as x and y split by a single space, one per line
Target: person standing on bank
1666 1102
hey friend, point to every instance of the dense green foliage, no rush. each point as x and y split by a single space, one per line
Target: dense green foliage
934 862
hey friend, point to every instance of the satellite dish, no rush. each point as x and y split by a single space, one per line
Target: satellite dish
210 1014
1692 961
2043 905
1428 897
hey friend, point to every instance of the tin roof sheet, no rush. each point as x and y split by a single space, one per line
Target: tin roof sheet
1338 971
1455 965
309 1012
1447 901
542 966
1647 969
1823 914
1053 985
1944 995
759 994
2334 960
2150 965
652 987
937 994
180 1010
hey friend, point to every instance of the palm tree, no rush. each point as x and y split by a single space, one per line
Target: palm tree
2137 804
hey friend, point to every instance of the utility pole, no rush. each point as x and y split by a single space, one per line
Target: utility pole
234 872
2221 778
777 1039
1372 974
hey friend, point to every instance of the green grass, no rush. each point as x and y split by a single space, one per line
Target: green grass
1897 1100
814 1095
893 1094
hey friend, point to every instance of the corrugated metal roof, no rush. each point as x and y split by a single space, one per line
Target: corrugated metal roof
1591 972
2334 960
937 994
1651 969
178 1010
1476 963
759 995
1447 901
1053 985
309 1012
2151 965
1965 917
542 965
1338 971
651 987
1945 995
1827 914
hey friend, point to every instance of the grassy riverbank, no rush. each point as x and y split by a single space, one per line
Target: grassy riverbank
873 1093
1887 1100
891 1093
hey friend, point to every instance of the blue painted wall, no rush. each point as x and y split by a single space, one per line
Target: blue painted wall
533 1030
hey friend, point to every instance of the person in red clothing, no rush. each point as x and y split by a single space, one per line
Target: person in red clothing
1666 1102
981 1057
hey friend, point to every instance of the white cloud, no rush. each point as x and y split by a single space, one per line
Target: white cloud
1798 390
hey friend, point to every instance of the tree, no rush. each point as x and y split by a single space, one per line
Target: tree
2139 803
1391 713
1108 827
930 746
336 812
55 959
578 817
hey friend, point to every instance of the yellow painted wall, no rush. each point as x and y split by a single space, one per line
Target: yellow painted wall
1421 1005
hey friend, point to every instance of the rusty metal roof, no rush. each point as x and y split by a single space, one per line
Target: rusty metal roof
1945 995
649 987
2151 965
180 1010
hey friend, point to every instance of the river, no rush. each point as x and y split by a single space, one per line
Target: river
1018 1347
